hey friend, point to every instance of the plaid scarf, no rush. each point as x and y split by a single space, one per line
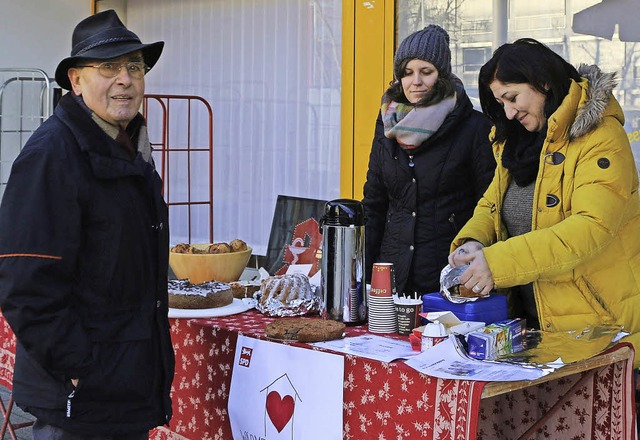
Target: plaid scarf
135 138
409 125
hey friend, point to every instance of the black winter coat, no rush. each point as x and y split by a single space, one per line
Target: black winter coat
84 250
415 205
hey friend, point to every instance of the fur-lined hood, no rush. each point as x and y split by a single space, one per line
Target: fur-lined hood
599 91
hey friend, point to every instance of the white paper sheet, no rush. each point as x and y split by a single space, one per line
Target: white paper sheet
283 392
304 269
448 361
371 346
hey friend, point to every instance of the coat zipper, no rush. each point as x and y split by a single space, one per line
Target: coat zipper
69 402
452 220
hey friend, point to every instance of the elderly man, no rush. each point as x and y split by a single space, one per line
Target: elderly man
84 251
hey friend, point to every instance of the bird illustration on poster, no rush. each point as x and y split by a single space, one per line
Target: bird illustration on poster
305 243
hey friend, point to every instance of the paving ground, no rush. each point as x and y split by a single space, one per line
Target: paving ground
17 416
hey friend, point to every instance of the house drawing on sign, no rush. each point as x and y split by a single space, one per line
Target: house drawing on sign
279 408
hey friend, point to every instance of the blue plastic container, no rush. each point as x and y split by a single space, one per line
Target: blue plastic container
487 310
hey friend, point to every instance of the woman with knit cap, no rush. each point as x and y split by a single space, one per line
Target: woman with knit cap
429 164
558 226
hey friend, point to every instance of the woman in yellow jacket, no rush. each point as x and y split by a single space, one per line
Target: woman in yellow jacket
560 222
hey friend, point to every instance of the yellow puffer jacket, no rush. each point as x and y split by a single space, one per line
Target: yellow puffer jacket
583 251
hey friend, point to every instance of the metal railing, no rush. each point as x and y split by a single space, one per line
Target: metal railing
181 133
26 101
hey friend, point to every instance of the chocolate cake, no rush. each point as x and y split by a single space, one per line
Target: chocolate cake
212 294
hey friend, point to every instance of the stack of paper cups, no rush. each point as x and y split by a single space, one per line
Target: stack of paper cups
382 315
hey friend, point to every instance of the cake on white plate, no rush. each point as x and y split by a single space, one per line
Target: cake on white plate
208 295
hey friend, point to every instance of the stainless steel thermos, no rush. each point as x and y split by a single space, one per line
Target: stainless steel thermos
343 269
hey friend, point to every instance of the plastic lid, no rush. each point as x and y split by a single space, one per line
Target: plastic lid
434 329
343 212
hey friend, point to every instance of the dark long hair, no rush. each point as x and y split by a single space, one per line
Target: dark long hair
443 88
524 61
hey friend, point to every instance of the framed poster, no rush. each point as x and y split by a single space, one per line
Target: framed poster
295 234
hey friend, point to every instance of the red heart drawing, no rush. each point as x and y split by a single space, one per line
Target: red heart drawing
280 410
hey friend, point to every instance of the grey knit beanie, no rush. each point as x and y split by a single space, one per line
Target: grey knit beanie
430 44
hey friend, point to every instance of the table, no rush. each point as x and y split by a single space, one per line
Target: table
7 359
381 400
592 399
384 401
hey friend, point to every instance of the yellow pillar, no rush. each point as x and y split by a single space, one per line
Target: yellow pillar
368 44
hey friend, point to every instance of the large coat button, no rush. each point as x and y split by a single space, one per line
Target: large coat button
555 158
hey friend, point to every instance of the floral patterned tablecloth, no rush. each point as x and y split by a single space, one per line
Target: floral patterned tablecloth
389 401
597 403
381 400
7 353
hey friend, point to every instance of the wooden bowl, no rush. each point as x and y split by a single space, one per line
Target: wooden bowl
199 268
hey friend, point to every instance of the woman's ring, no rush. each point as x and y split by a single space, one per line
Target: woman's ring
477 288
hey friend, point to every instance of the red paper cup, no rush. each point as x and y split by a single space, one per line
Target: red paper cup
383 280
416 342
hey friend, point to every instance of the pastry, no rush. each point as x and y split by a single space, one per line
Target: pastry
305 329
238 245
219 248
450 285
212 294
181 248
244 289
461 290
285 288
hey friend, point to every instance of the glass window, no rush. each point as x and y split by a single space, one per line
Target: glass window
581 31
474 57
519 8
271 72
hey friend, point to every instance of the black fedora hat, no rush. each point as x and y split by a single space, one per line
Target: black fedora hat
102 37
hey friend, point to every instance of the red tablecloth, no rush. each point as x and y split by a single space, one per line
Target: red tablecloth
7 353
386 401
381 400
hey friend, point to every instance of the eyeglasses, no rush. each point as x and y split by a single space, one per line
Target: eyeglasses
111 70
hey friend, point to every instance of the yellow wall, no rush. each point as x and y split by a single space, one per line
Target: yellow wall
367 54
